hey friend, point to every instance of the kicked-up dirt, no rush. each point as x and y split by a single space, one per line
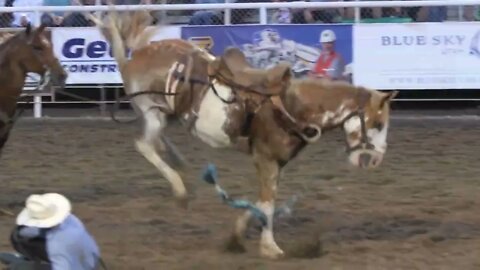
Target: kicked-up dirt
419 210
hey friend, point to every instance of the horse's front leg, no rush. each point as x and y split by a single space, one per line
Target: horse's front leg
267 172
3 139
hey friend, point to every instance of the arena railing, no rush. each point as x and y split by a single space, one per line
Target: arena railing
262 7
262 15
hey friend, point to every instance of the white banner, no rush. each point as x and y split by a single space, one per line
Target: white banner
87 57
417 55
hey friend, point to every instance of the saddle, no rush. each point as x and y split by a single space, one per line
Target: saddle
232 68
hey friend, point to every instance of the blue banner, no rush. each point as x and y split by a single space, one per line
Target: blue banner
265 45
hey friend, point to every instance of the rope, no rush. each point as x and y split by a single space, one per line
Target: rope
210 176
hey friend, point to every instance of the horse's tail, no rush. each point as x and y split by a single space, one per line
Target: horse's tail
128 30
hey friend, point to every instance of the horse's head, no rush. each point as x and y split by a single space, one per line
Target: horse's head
38 56
366 128
364 115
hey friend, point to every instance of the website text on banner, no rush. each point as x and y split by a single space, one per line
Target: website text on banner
418 56
87 56
324 49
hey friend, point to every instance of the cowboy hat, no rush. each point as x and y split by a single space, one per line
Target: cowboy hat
44 211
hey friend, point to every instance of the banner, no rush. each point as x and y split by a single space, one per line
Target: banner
417 56
87 56
266 45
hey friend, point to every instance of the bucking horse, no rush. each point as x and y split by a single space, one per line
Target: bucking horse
225 102
28 51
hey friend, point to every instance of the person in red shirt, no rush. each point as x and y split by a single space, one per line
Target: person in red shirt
330 63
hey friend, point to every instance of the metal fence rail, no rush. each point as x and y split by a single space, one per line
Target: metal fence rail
258 13
262 12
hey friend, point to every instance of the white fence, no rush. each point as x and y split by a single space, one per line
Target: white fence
262 7
263 14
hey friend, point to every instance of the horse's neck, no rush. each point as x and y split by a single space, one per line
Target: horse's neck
11 70
329 112
12 76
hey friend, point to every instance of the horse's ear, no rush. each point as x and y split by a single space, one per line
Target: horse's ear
388 97
28 29
41 28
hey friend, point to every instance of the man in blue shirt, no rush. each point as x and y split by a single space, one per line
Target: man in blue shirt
49 236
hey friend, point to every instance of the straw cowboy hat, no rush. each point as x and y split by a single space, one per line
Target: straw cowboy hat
44 211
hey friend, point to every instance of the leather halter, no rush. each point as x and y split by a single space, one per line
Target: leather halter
364 143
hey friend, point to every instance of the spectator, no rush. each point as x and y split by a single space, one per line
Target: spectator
317 15
54 18
130 2
426 14
372 13
207 17
6 18
470 13
330 63
241 16
78 19
21 19
48 236
281 15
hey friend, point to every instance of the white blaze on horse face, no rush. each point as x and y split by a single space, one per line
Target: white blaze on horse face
352 125
379 138
212 116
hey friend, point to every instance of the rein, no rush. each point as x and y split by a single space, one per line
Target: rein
235 87
364 143
45 79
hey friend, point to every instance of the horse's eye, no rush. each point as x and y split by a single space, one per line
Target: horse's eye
37 48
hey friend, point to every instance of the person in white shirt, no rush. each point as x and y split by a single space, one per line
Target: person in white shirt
21 19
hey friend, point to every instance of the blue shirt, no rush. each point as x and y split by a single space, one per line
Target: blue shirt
71 247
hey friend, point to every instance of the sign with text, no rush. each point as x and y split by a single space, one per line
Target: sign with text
87 56
417 55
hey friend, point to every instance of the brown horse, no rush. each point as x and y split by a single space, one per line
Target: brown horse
26 51
224 102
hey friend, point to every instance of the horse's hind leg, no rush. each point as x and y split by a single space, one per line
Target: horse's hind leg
154 123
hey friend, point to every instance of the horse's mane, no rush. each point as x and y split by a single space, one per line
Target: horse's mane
7 38
6 45
316 84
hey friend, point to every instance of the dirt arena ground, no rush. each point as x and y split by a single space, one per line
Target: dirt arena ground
420 210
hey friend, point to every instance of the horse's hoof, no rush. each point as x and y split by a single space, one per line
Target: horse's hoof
271 252
234 245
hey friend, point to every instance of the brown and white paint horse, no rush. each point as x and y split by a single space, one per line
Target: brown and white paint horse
227 108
